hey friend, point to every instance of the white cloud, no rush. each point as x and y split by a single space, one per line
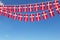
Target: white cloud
1 3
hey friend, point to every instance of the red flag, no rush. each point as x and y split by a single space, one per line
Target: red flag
56 3
44 15
25 17
49 5
20 17
58 10
10 15
42 6
5 13
51 13
37 16
1 10
31 17
15 16
10 9
30 8
19 8
36 7
56 6
14 9
25 8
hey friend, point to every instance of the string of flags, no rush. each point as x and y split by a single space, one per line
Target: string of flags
16 12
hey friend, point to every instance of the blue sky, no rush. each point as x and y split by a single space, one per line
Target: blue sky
15 30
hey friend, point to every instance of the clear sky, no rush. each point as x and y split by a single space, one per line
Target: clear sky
15 30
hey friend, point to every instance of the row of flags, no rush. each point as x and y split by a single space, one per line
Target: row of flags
12 11
30 7
38 16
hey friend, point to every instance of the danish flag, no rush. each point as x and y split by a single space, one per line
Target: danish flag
30 8
44 15
14 9
56 6
38 17
19 17
57 10
5 13
19 8
14 16
42 6
36 7
10 15
56 3
49 5
25 17
10 10
25 8
51 13
31 17
1 10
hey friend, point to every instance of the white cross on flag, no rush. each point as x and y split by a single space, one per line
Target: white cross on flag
25 8
19 17
25 17
56 3
10 9
14 16
5 13
56 6
36 7
38 17
31 17
42 6
51 12
30 8
58 10
44 15
19 8
48 5
10 15
1 10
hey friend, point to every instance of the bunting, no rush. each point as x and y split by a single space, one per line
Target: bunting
17 12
